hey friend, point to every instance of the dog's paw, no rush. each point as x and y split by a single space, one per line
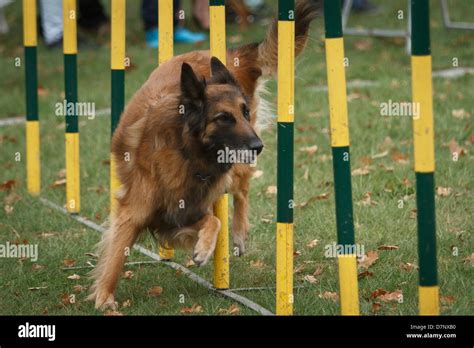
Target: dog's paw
103 301
202 254
239 245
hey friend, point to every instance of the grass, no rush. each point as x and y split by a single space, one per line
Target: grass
391 178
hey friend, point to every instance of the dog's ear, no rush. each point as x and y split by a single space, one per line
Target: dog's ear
193 96
191 87
220 74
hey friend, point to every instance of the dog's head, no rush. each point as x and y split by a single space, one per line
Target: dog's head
216 113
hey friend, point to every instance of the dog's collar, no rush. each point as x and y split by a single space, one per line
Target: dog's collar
203 177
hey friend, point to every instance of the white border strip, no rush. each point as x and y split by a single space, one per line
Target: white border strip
176 266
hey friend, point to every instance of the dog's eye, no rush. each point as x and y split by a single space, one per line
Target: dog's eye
246 112
225 117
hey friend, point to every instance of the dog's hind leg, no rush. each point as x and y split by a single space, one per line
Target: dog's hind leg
115 247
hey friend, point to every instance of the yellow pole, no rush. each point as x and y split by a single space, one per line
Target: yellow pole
286 106
33 166
117 64
221 207
72 124
165 52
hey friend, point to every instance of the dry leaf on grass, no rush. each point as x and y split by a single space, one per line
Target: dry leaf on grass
369 259
460 114
443 191
8 185
257 264
111 313
58 183
365 274
312 244
328 295
376 307
69 262
319 270
310 150
361 171
37 266
380 155
454 147
257 174
195 308
271 190
407 266
469 259
391 296
35 288
155 291
8 209
232 310
388 247
74 277
447 299
78 288
190 263
127 303
127 275
310 279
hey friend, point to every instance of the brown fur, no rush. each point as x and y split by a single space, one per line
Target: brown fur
163 157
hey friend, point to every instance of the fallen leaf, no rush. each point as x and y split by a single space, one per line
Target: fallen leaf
37 266
469 259
310 150
78 288
319 270
111 313
365 274
399 157
8 185
95 256
195 308
232 310
391 296
11 198
69 262
299 269
47 234
37 288
271 190
296 253
361 171
8 209
312 244
319 197
42 92
127 303
155 291
376 307
266 221
74 277
377 293
369 259
367 199
363 44
388 247
257 174
127 275
310 279
380 155
443 191
58 183
67 299
454 148
447 299
190 263
257 264
460 114
329 295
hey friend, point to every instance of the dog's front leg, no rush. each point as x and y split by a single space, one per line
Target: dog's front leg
115 246
207 230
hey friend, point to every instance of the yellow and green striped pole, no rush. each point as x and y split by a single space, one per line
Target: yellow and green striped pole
117 65
423 134
339 124
165 52
33 166
73 203
285 204
221 208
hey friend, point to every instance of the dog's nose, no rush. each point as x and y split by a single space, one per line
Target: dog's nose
256 145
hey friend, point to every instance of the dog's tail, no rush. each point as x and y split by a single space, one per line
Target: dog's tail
305 12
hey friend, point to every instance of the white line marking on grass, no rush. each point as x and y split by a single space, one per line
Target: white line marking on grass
176 266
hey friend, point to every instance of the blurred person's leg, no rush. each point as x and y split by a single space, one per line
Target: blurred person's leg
51 12
201 13
149 12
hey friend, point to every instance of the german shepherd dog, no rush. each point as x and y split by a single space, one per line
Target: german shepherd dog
166 145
